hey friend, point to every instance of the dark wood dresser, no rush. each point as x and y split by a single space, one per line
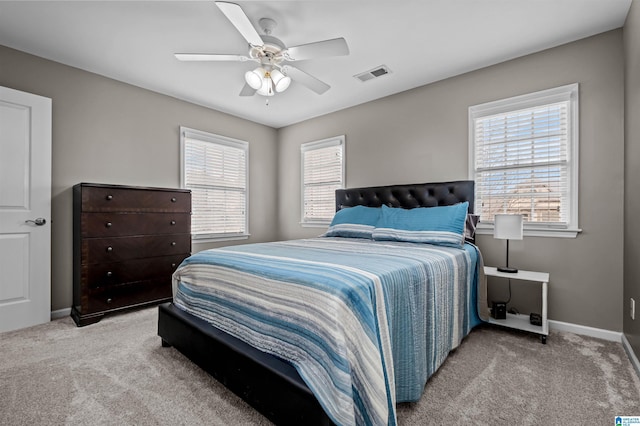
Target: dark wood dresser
127 241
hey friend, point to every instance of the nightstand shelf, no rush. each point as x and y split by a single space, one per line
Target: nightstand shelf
521 322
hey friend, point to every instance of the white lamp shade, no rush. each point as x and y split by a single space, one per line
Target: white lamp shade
508 227
254 78
280 81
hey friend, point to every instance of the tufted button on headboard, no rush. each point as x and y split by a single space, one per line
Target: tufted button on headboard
408 196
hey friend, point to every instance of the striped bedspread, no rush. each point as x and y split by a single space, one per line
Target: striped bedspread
365 323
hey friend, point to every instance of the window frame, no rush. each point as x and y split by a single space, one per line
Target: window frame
188 133
311 146
565 93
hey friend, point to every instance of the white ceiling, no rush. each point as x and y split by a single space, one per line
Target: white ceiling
420 41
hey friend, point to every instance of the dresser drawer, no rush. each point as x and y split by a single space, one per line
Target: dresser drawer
121 224
116 273
104 250
138 293
108 199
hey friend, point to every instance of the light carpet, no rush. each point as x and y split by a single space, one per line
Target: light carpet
115 372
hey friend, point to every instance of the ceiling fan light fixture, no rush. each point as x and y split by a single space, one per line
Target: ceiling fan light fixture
254 78
266 89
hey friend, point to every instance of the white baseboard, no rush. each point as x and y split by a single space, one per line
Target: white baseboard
613 336
60 313
632 356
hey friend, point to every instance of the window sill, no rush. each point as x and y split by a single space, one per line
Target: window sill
548 232
207 239
315 224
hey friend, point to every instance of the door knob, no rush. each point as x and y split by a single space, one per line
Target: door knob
39 221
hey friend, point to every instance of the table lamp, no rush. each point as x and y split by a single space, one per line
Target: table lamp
507 227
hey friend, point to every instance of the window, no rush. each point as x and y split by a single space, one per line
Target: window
524 160
214 168
322 173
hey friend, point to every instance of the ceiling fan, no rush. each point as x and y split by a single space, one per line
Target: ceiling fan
274 73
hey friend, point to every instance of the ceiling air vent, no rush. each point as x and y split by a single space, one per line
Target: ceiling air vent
371 74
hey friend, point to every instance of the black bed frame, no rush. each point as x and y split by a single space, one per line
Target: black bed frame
269 384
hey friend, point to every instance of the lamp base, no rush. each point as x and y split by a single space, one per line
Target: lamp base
507 269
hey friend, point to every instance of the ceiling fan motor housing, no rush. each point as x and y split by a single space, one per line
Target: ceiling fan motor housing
271 50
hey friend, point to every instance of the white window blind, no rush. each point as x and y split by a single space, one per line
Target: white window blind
524 154
322 173
215 169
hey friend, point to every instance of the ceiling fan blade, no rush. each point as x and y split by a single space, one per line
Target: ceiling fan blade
319 49
239 19
210 57
247 90
308 80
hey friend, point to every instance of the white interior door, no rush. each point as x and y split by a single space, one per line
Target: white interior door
25 209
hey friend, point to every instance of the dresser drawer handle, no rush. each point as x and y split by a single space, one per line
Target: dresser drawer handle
173 265
173 199
109 300
109 274
108 224
173 243
109 197
173 222
109 249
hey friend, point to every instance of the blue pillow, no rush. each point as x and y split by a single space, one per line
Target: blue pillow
443 226
354 222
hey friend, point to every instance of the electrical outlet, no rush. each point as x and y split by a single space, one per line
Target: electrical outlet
632 309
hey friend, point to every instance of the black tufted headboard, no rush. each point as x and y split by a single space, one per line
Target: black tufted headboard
408 196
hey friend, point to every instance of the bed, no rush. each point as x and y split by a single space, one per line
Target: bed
335 329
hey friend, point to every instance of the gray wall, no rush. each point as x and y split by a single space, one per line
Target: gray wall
422 135
106 131
632 175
